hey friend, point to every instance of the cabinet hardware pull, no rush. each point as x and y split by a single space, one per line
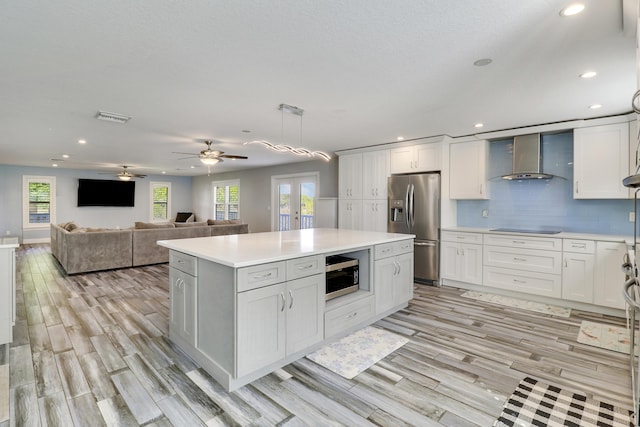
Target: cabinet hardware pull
290 299
262 276
582 246
566 264
305 267
519 281
480 188
577 187
399 267
519 259
284 302
352 315
519 242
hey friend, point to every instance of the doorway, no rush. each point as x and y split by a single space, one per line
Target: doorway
294 201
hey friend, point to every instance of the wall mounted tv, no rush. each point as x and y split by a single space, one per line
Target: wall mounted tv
101 192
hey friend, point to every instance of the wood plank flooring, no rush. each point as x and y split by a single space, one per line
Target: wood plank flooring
92 350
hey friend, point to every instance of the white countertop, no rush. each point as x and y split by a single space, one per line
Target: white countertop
562 235
9 242
242 250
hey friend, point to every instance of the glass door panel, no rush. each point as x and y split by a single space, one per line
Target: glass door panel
295 202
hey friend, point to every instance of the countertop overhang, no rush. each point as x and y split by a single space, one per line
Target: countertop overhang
242 250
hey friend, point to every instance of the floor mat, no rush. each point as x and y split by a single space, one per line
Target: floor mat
356 352
601 335
519 303
535 403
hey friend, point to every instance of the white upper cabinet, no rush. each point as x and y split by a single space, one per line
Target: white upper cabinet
468 170
416 158
375 171
601 162
350 176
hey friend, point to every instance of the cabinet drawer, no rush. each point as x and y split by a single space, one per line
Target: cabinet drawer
386 250
526 242
461 237
523 281
579 246
183 262
523 259
261 275
303 267
348 315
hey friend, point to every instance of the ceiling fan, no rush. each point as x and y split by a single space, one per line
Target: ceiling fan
211 157
125 175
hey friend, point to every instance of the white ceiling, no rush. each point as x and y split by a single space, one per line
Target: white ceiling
364 71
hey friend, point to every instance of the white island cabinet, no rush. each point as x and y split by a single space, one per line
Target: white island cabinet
7 288
245 305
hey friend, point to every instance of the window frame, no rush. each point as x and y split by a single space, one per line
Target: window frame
27 180
228 183
152 186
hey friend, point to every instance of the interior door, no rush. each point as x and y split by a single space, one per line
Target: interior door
294 198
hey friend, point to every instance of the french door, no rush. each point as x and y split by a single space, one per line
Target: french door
293 201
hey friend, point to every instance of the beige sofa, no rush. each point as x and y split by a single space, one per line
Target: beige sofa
85 250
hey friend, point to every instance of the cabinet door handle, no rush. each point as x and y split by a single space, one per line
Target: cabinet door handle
566 264
519 281
262 276
290 299
518 242
399 267
304 267
284 302
582 246
480 188
577 187
352 315
519 259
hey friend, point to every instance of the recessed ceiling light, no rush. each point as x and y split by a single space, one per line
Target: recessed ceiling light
82 141
193 167
595 106
482 62
164 172
55 165
588 74
65 156
400 138
572 9
478 125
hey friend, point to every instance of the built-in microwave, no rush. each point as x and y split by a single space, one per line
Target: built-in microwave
342 276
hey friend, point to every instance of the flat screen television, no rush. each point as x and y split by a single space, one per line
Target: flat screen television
102 192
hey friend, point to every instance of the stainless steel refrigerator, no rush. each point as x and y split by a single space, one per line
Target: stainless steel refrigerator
414 208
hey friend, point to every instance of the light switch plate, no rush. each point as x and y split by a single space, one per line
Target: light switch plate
632 216
485 213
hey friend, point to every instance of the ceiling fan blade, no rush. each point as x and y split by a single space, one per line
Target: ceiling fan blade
231 156
190 157
135 175
178 152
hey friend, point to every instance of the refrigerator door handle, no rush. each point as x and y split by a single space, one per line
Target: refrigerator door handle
407 207
413 214
424 244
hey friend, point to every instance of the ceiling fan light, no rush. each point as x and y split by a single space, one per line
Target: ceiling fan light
124 177
209 161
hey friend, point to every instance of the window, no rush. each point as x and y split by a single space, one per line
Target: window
160 194
39 201
226 200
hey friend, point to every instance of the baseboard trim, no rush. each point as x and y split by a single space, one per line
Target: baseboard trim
40 240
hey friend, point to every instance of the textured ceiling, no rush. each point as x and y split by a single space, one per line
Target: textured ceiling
364 71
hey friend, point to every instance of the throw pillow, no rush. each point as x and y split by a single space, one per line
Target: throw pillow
69 226
184 217
147 225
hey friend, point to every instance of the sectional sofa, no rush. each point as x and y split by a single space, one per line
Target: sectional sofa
80 250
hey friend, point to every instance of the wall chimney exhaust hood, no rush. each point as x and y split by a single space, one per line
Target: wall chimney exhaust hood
527 158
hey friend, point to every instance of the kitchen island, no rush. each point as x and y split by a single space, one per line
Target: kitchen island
245 305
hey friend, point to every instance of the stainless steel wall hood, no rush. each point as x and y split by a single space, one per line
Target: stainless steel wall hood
527 158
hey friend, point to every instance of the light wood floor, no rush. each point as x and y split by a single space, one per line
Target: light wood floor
92 350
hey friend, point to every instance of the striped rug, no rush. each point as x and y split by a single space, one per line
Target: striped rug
535 403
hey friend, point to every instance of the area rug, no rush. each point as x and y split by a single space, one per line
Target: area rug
535 403
355 353
601 335
519 303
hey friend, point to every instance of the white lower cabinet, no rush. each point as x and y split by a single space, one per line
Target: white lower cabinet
609 277
393 281
7 294
577 277
183 294
461 255
278 320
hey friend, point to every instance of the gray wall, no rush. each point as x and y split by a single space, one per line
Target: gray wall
66 195
255 189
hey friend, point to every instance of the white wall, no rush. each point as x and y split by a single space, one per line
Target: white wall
255 189
66 199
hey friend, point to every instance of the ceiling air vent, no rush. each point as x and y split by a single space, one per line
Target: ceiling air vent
112 117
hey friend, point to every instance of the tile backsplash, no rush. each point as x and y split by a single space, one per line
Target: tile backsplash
535 204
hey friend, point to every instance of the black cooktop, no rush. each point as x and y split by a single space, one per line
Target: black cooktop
524 230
